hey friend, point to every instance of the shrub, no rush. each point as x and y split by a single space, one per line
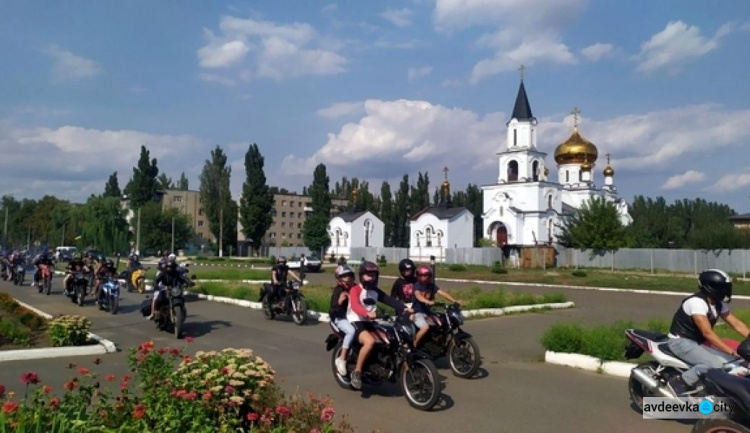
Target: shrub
342 260
563 337
272 260
332 259
382 260
579 273
69 330
499 270
10 331
456 267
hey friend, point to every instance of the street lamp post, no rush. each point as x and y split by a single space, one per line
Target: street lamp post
172 249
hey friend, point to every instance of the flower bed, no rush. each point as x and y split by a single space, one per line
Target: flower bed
220 391
19 327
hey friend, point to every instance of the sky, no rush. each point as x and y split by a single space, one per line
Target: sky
373 90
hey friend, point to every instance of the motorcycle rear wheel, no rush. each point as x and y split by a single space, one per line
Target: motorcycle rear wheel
343 381
421 384
47 286
636 389
267 309
464 357
719 426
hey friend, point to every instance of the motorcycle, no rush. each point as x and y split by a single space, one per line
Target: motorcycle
170 311
109 295
737 389
650 379
392 359
19 273
446 338
136 281
78 284
45 278
292 303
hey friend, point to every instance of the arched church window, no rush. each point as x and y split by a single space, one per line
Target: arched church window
338 237
549 201
515 137
567 176
549 230
367 233
439 237
417 236
512 171
535 170
428 236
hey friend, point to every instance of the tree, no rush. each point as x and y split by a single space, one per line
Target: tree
256 203
401 214
315 230
142 186
595 226
112 187
182 184
217 198
420 195
164 182
156 228
104 225
386 213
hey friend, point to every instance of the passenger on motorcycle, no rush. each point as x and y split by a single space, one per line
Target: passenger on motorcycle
403 287
424 294
76 264
345 280
43 258
169 277
105 270
279 275
358 312
693 325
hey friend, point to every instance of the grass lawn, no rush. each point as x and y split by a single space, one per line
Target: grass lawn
19 327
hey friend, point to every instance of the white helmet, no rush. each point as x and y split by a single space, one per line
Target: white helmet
172 258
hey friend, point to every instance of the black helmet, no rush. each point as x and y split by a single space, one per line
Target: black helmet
109 263
744 349
716 284
281 260
406 265
369 268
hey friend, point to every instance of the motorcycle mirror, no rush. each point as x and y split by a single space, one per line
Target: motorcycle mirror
193 277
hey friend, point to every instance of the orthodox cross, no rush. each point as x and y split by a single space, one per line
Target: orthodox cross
575 114
522 68
445 170
607 155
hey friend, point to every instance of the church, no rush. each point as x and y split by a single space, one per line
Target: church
525 207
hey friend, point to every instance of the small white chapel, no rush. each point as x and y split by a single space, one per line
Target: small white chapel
525 207
354 228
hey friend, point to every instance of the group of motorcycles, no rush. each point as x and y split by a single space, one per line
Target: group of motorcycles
650 379
16 273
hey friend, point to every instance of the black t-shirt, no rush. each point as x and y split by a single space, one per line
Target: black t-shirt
169 278
429 292
75 265
403 290
281 272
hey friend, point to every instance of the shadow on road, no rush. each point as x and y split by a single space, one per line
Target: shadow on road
197 329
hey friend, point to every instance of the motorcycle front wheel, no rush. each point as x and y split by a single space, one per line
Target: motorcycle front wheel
719 426
79 296
114 304
421 384
464 358
299 311
179 319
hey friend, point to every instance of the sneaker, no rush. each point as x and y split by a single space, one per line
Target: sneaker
150 317
341 366
33 284
356 380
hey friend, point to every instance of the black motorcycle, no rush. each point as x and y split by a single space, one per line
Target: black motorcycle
391 359
290 303
19 273
737 389
170 311
446 338
77 287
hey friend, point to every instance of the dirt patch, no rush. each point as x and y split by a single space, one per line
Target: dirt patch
21 328
38 338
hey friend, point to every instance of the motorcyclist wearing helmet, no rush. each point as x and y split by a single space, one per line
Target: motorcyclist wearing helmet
106 269
169 277
358 312
280 272
345 280
693 325
43 258
76 264
403 287
424 294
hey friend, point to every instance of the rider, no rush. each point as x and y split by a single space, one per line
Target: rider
169 277
16 258
105 270
359 312
345 279
43 258
403 287
160 267
279 273
424 294
693 325
76 264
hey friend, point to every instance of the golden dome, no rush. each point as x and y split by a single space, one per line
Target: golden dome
586 166
576 150
608 170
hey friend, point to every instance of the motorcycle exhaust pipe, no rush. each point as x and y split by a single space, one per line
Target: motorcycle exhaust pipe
650 383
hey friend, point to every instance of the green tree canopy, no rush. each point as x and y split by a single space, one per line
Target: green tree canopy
216 198
256 203
595 226
315 230
112 187
143 185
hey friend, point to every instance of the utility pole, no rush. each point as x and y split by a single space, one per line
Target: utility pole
172 249
28 240
138 234
62 240
221 229
5 229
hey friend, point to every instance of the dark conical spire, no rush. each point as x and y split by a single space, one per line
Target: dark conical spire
522 109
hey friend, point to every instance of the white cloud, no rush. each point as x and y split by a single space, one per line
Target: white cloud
414 73
213 78
78 154
597 51
282 50
680 180
745 27
675 45
452 83
398 17
731 182
341 109
70 67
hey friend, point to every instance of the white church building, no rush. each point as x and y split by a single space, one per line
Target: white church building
525 207
354 228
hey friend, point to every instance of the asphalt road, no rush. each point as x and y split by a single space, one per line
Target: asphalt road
515 391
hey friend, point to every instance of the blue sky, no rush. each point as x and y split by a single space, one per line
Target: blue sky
373 89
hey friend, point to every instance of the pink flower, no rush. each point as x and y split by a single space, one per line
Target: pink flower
206 396
252 416
229 389
224 371
283 410
83 370
179 393
54 402
189 339
266 419
29 378
10 406
327 414
139 412
190 395
46 389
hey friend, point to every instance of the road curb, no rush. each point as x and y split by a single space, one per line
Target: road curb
589 363
323 317
102 346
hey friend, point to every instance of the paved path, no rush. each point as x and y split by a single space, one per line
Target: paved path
517 392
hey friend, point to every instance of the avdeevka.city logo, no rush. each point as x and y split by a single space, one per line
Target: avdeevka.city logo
686 408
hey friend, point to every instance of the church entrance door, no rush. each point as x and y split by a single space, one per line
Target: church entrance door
501 235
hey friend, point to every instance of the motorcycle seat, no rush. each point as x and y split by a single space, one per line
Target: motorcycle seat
664 347
656 337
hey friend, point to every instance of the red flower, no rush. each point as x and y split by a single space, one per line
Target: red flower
29 378
266 419
224 371
54 402
252 416
189 339
10 406
70 386
174 351
83 370
146 347
187 358
2 390
206 396
191 395
162 350
327 414
109 378
124 384
283 410
139 413
46 389
229 389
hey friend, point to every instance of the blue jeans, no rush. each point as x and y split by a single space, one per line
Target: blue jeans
348 330
701 358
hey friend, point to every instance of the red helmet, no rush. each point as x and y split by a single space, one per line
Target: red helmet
424 271
369 268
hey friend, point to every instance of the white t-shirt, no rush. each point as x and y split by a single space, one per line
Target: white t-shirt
697 305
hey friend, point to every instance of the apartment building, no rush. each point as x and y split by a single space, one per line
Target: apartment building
188 203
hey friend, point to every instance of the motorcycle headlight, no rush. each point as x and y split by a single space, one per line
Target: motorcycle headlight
176 291
408 330
458 317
